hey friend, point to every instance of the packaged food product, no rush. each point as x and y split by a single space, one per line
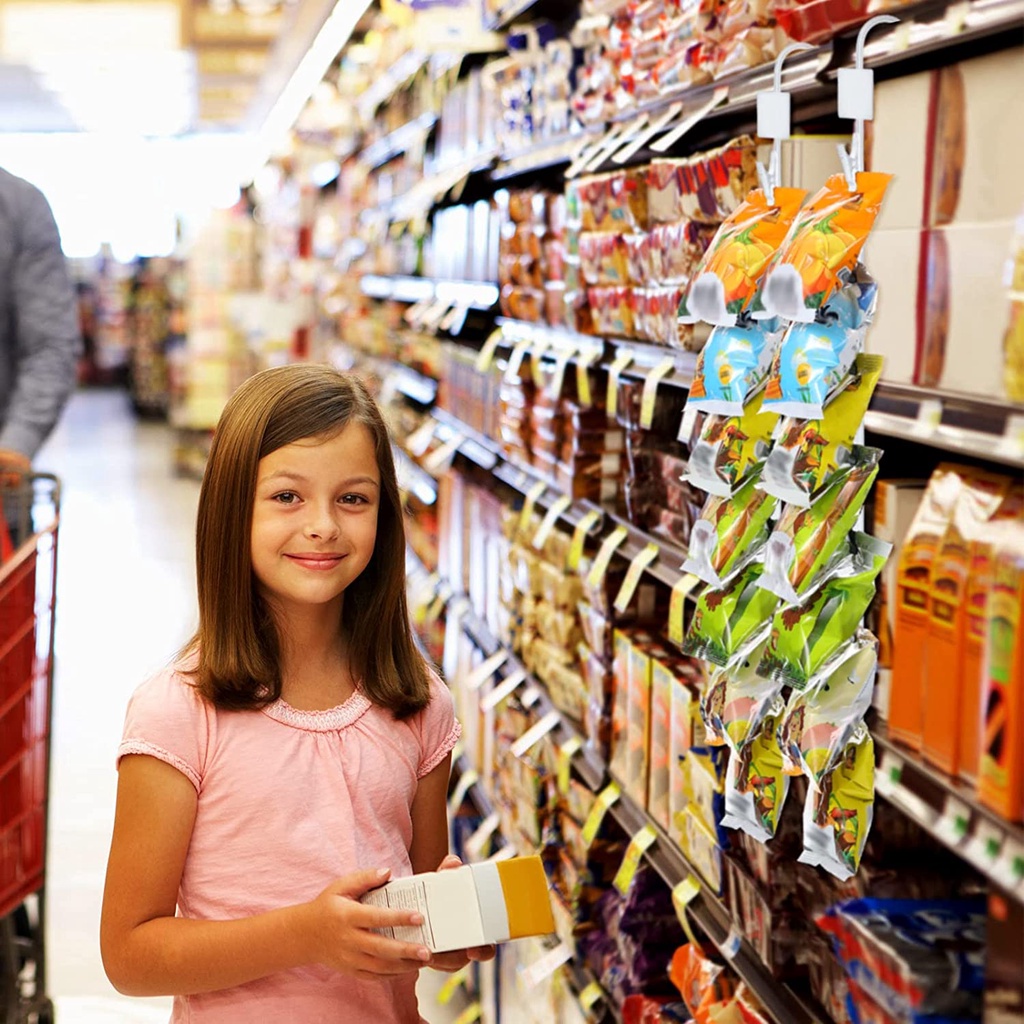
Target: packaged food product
728 616
724 283
814 358
673 251
655 317
825 240
804 636
700 980
808 452
701 847
669 403
737 698
604 258
732 365
729 533
615 201
731 449
805 540
612 311
755 784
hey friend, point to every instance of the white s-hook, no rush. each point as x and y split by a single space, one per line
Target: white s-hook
774 113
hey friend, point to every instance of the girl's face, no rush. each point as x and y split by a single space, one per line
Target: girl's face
314 521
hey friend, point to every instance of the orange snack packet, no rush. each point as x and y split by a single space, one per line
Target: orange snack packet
825 239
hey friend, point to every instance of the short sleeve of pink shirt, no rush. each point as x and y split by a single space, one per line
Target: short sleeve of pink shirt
289 801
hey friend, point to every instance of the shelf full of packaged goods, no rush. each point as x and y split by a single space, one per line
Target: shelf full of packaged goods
665 856
482 295
412 477
951 812
545 153
398 141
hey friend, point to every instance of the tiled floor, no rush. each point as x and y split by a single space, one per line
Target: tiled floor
125 602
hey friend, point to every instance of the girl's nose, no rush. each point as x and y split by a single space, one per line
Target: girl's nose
322 525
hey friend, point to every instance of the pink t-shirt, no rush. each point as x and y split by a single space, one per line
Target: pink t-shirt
289 801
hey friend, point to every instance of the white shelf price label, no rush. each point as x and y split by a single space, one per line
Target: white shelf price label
530 697
890 774
543 968
457 314
929 418
650 392
419 440
507 852
730 946
1009 871
440 459
631 861
485 356
548 524
1012 441
467 780
503 690
413 316
954 821
536 733
985 846
529 502
485 670
622 360
605 799
602 560
632 580
474 845
579 539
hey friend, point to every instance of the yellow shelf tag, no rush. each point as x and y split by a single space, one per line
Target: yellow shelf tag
684 585
537 350
529 502
554 388
682 896
471 1013
515 360
467 780
650 392
583 390
633 574
603 558
566 752
622 360
591 996
631 861
605 799
485 670
579 538
452 985
548 525
485 356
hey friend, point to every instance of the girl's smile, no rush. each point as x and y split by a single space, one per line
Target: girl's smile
317 561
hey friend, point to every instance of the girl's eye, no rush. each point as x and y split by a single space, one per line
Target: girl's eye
286 498
353 499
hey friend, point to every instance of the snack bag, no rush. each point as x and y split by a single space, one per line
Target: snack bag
728 616
838 812
733 363
737 698
726 280
805 635
825 240
729 533
808 452
806 539
814 358
700 981
820 720
730 449
755 784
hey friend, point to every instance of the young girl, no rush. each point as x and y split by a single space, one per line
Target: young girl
297 754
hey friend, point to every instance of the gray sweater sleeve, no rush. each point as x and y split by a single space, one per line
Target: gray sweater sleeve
46 329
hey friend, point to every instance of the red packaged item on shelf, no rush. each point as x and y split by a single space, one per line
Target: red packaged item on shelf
612 311
604 258
817 21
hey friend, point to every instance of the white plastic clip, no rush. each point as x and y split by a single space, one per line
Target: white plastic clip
774 110
857 101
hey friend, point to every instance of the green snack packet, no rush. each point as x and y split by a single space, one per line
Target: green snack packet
805 635
729 533
727 616
806 539
808 452
755 784
819 721
839 812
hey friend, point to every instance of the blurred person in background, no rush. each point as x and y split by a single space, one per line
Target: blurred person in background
40 338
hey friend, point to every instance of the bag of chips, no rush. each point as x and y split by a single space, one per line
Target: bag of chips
804 636
737 698
808 452
805 540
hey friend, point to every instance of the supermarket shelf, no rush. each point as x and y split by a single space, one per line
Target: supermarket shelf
545 153
386 85
417 386
397 142
414 478
951 812
472 294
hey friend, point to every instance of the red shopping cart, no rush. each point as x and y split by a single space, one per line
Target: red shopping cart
28 573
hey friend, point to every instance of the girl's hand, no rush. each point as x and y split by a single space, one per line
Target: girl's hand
458 958
342 931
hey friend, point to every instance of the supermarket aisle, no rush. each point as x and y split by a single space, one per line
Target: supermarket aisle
125 602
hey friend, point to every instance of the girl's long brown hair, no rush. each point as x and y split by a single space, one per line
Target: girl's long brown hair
235 651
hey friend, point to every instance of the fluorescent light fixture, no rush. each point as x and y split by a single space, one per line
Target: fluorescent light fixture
328 44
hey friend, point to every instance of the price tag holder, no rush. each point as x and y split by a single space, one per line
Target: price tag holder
440 459
548 524
474 845
434 609
515 360
956 17
537 350
636 569
634 854
530 697
529 502
648 133
687 424
419 440
437 312
591 995
730 946
682 896
413 316
677 604
1009 871
1012 442
554 388
507 852
485 357
459 749
890 774
579 539
566 752
929 417
471 1013
503 690
605 799
984 847
455 316
953 823
603 558
479 675
583 365
542 969
650 392
467 780
666 142
536 733
452 985
622 360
